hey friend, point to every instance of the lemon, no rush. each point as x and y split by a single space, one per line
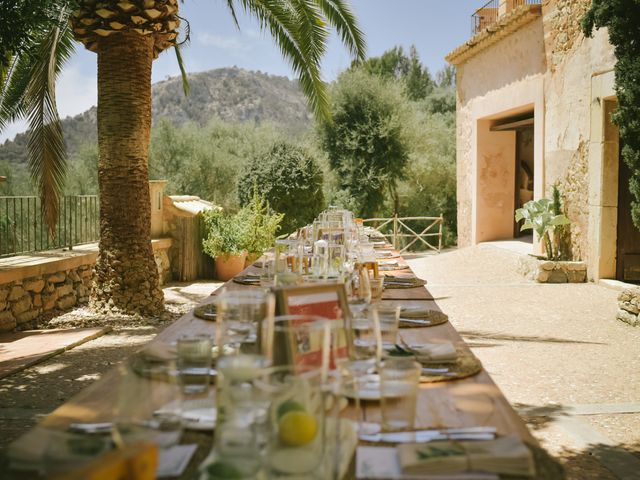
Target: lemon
297 428
290 406
223 470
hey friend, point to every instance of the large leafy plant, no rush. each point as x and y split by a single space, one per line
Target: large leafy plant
226 234
541 217
262 224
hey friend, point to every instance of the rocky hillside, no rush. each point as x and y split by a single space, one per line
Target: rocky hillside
231 94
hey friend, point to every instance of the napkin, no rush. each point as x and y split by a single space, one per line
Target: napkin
434 352
505 456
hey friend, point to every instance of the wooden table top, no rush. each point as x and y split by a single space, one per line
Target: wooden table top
473 401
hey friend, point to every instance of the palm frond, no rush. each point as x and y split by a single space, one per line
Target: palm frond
280 19
183 71
47 155
344 21
232 10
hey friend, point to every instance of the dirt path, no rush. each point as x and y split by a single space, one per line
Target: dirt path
556 351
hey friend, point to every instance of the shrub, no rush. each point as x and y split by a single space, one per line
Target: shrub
226 234
291 180
262 224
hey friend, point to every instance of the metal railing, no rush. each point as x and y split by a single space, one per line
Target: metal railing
23 230
490 12
398 229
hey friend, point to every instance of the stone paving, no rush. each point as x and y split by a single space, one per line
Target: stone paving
556 351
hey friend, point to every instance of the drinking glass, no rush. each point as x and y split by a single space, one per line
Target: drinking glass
297 421
297 340
377 288
240 314
242 428
194 363
399 380
147 408
358 290
335 253
365 341
388 318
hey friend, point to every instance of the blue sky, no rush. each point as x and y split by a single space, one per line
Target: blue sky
435 27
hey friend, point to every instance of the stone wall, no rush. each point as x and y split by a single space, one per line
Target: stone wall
629 306
37 290
23 301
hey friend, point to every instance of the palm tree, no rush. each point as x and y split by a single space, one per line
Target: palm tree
127 36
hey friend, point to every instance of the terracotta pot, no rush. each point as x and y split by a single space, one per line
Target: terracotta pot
229 266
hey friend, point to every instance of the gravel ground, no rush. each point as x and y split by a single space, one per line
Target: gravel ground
28 395
544 345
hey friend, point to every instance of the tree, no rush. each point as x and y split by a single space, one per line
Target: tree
366 142
394 64
290 178
127 36
622 18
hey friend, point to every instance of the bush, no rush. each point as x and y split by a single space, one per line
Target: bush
291 180
226 234
262 224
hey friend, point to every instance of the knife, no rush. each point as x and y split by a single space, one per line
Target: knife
420 436
415 321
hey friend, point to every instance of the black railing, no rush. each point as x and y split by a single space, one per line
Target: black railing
23 230
490 12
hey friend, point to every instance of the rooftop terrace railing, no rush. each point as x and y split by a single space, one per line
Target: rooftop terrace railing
490 13
23 230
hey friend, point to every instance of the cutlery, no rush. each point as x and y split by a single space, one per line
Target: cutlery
415 321
469 433
428 371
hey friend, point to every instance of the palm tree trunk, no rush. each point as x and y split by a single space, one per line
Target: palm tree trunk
126 274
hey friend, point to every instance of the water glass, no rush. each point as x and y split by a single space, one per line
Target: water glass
358 291
377 288
194 363
399 380
388 317
141 410
240 314
297 403
242 430
365 341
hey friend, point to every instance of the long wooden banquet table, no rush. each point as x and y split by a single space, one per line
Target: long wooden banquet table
469 402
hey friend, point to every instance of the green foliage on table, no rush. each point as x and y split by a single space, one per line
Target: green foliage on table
262 224
539 216
290 178
226 233
366 141
622 19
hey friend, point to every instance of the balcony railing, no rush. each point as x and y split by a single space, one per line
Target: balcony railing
23 230
491 12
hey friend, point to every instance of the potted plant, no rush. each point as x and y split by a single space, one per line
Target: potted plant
545 217
225 242
262 224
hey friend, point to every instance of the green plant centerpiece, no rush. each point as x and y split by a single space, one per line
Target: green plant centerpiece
542 217
225 242
261 224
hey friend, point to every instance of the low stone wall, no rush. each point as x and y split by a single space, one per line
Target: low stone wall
59 283
545 271
629 306
22 301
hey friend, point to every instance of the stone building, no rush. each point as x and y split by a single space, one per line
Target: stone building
534 98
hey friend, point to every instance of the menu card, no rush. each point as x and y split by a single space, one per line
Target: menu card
505 455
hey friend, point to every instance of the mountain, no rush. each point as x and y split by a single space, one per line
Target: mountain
231 94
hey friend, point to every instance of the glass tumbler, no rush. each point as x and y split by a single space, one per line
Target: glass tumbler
399 381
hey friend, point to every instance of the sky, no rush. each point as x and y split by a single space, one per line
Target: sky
435 27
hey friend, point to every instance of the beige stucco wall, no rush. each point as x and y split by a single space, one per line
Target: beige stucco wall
505 79
573 60
547 66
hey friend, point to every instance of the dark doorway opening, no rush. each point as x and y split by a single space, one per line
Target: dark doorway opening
628 242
